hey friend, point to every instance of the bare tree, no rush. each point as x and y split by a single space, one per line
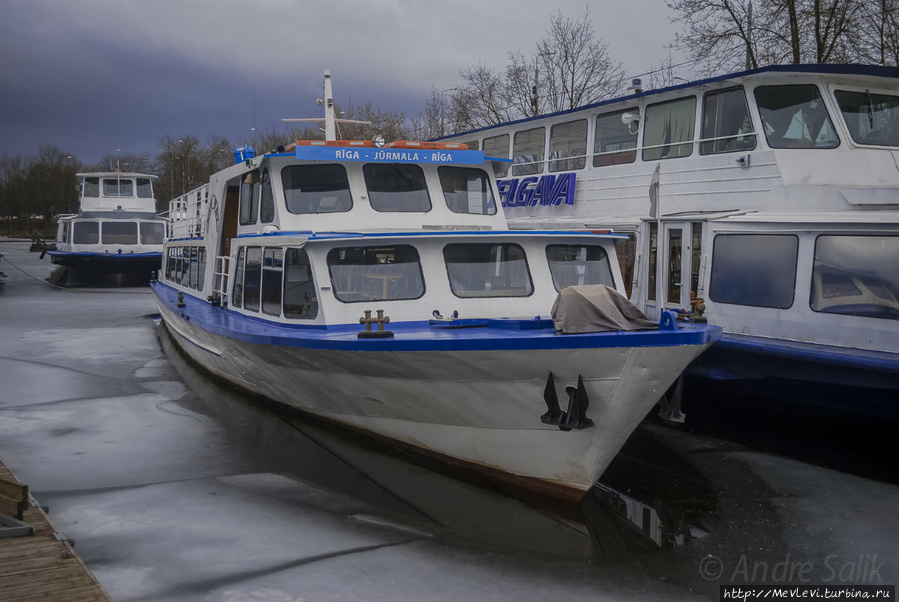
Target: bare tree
482 99
577 66
720 33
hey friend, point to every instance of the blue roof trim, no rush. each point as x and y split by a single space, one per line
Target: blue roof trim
822 69
420 335
813 352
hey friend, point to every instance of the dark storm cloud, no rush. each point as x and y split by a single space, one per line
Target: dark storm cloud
95 75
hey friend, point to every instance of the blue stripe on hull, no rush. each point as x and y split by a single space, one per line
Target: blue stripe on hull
500 335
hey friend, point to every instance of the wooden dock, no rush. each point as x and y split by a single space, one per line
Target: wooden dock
42 567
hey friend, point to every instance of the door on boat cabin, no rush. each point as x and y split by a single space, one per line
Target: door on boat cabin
675 265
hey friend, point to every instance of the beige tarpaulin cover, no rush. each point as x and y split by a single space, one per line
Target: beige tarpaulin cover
596 308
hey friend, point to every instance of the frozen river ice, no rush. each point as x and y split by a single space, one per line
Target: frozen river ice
175 488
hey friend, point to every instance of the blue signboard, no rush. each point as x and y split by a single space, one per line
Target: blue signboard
370 154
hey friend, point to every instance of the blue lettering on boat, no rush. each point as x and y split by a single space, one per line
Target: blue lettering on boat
547 190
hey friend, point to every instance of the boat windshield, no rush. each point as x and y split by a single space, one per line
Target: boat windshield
795 117
871 118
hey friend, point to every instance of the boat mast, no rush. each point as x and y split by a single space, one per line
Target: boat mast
330 116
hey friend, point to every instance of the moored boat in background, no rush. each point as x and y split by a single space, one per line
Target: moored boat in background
116 237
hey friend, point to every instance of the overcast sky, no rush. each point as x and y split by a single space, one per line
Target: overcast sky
93 76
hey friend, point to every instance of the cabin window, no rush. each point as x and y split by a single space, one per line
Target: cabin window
272 267
856 276
467 190
184 267
193 278
696 256
300 299
316 188
91 187
577 265
615 141
266 199
568 146
726 126
652 281
626 250
396 187
871 118
376 273
471 144
527 152
119 233
498 148
668 129
252 279
237 292
171 267
250 190
144 188
117 187
152 233
201 268
64 231
795 117
487 270
758 270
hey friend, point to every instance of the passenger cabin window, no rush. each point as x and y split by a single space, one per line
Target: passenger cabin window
577 265
568 146
250 191
266 199
316 188
119 233
871 118
467 190
237 291
626 250
726 126
300 299
856 276
396 187
758 270
91 187
498 148
272 269
375 273
152 233
527 152
86 233
116 187
487 270
668 129
252 279
144 188
795 117
615 141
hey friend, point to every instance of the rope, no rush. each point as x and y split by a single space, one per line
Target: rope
62 288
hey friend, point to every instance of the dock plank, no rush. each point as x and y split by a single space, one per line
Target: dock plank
40 567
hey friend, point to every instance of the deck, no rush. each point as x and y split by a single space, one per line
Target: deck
41 567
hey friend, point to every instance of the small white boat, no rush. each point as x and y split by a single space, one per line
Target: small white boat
379 288
116 237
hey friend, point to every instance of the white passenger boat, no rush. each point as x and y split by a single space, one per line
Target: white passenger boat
116 237
380 288
776 203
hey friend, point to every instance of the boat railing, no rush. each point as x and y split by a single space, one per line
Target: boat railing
188 213
220 283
